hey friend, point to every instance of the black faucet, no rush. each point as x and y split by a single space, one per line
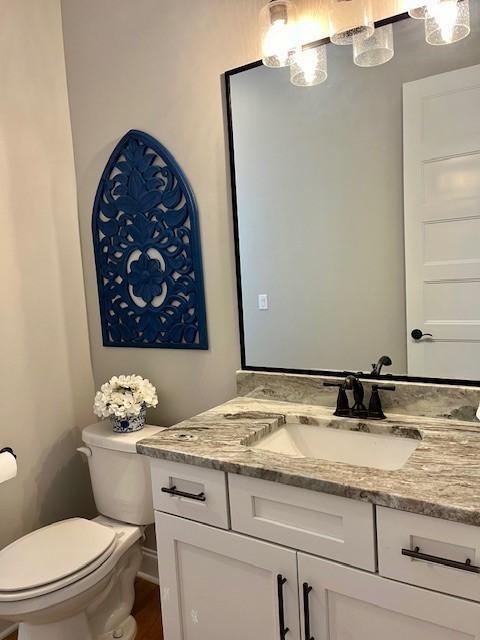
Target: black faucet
359 410
351 382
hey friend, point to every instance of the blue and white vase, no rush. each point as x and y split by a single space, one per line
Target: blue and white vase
127 425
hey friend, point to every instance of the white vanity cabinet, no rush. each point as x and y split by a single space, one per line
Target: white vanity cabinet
218 585
265 561
341 603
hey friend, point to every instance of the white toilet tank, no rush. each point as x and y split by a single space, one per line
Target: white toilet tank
120 476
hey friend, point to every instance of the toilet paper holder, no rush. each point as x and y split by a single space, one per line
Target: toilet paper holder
8 450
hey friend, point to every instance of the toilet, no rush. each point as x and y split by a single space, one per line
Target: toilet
74 579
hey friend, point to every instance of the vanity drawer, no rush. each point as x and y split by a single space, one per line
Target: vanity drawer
322 524
190 492
442 539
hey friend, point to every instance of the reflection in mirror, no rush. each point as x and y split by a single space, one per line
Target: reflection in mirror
358 210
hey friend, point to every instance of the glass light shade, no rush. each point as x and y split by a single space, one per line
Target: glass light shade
447 21
418 13
309 66
278 32
375 50
349 18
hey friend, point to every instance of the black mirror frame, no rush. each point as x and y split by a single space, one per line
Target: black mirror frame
231 155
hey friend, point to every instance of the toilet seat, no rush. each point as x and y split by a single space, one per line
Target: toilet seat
54 557
18 605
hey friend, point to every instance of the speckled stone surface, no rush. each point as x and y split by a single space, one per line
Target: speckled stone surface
409 398
440 479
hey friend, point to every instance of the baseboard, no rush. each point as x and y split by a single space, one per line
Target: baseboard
149 568
5 632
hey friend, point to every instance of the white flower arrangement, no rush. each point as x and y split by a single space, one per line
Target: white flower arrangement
124 397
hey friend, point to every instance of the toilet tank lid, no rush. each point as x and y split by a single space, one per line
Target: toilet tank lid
101 435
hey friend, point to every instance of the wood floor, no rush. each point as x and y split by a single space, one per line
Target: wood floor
146 612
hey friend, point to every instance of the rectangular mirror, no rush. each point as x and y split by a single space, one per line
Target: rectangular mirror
357 211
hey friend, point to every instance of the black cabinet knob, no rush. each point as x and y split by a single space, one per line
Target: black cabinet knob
417 334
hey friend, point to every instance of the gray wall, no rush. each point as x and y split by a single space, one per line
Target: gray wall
157 66
46 379
320 200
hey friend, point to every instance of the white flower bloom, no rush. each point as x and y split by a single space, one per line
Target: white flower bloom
124 396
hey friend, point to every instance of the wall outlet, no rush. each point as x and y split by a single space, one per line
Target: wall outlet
263 301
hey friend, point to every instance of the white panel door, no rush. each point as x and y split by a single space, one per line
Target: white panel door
442 223
217 585
348 604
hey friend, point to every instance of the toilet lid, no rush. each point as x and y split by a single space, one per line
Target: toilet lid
54 552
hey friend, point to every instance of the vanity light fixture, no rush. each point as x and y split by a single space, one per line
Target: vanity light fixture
349 18
278 29
309 66
375 50
447 21
287 40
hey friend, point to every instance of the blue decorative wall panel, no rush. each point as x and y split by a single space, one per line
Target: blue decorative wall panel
147 250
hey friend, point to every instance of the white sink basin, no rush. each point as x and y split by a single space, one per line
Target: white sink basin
379 451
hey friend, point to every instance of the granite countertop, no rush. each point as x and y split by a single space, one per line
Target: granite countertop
440 479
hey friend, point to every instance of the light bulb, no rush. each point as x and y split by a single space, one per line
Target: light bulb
309 66
277 42
447 21
445 14
279 32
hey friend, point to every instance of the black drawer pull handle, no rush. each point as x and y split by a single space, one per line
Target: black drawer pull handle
281 613
464 566
306 610
173 491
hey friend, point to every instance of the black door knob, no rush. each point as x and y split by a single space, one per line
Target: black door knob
417 334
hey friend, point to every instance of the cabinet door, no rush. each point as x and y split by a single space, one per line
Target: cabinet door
345 603
217 584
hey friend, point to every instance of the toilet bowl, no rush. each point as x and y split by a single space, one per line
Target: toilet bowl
74 579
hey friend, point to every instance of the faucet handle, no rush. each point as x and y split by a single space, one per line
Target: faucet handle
375 410
383 387
343 408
